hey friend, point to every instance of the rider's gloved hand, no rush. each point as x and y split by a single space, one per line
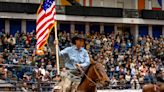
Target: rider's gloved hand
78 65
56 42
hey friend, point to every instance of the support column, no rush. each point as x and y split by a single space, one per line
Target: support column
135 32
136 4
57 2
87 3
25 1
150 31
72 27
83 2
149 4
90 3
162 4
23 23
101 28
162 31
87 28
7 26
115 29
115 3
102 3
58 25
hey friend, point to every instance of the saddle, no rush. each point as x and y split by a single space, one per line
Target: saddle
74 75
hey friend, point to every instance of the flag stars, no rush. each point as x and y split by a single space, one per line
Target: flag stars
47 4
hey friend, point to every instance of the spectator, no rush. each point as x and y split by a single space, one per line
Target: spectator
113 82
129 44
49 66
147 78
15 61
42 70
11 42
160 77
46 77
133 71
53 72
25 87
3 72
1 45
29 60
135 83
57 78
64 73
141 79
121 82
122 58
128 77
17 35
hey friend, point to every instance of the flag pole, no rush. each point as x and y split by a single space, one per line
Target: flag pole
57 54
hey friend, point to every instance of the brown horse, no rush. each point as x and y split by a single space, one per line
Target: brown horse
153 88
95 76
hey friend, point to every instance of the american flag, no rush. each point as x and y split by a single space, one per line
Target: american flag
46 16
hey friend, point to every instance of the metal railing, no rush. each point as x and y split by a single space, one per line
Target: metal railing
14 83
49 86
31 86
31 8
131 13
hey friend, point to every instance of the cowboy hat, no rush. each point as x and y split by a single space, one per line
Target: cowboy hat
78 37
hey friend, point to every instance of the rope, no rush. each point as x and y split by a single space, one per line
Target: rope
87 76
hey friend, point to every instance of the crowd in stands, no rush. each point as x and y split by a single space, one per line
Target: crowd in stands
128 64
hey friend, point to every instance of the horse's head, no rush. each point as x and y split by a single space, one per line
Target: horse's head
98 75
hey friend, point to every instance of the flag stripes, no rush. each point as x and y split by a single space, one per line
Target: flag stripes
46 16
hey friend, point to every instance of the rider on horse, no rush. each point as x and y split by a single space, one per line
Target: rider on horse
75 57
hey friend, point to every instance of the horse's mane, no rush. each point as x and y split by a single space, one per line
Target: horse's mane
86 72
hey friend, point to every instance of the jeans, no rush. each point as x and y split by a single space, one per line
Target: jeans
69 83
1 48
153 79
110 74
147 79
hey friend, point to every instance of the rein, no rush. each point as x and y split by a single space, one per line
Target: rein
87 76
96 73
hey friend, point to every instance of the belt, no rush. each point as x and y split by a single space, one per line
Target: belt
74 72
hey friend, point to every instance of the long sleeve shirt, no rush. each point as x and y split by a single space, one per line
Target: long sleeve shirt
72 55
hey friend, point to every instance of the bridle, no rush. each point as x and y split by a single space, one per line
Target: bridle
92 82
99 78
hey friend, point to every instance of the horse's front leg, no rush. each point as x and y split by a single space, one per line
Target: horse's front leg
95 89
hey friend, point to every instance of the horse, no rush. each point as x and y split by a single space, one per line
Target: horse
153 88
94 76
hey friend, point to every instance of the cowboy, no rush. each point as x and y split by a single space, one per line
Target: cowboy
75 57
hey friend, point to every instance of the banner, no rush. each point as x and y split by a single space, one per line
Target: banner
65 2
156 4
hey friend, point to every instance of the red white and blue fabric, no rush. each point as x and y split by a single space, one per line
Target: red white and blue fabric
46 16
156 4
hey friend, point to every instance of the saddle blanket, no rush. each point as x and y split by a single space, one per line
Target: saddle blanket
110 90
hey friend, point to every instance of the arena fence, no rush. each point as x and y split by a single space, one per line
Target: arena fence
13 83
